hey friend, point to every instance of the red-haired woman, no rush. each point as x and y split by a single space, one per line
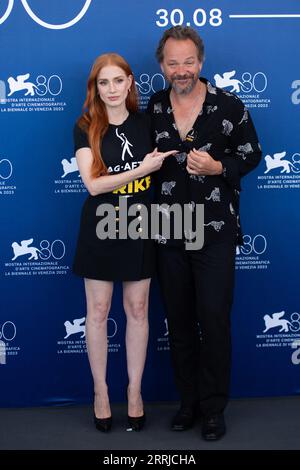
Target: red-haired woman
115 158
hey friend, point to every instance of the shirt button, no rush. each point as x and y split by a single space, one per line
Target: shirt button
117 208
140 230
140 217
139 206
117 230
117 219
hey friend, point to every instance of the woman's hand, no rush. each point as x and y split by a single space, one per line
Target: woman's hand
154 160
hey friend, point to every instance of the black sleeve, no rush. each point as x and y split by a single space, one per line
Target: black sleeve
80 138
245 149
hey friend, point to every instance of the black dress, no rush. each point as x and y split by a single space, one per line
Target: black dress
123 148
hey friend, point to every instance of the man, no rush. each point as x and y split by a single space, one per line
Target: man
217 145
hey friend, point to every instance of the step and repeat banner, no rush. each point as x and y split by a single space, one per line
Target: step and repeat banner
47 49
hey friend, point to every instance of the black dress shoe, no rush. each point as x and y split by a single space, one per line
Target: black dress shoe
136 423
184 419
103 424
213 427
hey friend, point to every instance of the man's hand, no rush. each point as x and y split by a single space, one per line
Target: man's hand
201 163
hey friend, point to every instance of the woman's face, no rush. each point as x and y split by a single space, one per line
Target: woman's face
113 85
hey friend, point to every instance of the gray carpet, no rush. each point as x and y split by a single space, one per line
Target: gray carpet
252 424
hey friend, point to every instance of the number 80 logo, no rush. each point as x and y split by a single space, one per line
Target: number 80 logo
8 331
41 22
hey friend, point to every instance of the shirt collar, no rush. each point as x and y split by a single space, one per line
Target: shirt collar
211 95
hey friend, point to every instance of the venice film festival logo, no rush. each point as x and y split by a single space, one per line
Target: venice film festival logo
76 329
252 254
69 166
281 330
147 85
248 86
276 320
30 259
70 180
281 171
24 93
77 326
8 333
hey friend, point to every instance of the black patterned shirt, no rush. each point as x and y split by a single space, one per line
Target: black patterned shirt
225 130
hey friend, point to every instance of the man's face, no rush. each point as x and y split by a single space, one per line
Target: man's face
181 65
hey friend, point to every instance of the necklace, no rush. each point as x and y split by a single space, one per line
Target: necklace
185 117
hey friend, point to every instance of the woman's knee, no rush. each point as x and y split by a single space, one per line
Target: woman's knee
136 309
98 313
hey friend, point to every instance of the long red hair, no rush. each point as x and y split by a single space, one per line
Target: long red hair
94 120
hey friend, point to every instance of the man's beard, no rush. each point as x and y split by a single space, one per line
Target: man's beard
183 91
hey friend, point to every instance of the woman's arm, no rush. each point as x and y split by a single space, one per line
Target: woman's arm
107 183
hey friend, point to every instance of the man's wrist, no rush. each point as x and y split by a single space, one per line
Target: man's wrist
219 168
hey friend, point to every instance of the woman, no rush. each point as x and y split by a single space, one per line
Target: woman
114 156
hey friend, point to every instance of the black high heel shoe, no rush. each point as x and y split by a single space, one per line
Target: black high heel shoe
103 424
136 423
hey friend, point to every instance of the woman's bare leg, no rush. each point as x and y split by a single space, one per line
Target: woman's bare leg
135 300
98 298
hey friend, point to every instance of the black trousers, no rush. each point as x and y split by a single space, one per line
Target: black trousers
197 291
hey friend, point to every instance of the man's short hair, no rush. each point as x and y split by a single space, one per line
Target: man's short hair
180 33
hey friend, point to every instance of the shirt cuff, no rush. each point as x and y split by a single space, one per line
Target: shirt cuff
231 173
